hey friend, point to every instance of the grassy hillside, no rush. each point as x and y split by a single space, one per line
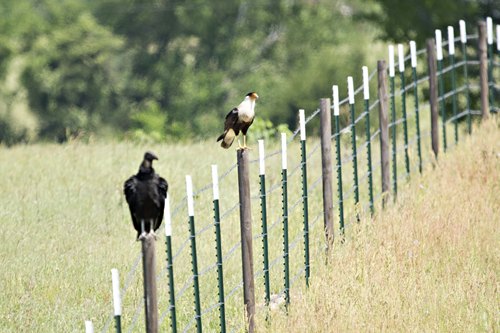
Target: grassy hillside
429 263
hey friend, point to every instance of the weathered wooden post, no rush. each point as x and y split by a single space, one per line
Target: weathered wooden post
483 70
384 127
246 237
326 163
149 265
431 67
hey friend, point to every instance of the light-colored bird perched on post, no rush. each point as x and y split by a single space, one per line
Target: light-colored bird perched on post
239 119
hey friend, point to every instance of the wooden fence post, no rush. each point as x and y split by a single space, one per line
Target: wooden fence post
433 94
483 70
246 236
326 163
384 126
150 299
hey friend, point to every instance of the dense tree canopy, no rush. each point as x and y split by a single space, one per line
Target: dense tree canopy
171 69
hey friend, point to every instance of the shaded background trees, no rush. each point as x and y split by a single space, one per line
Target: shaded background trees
170 70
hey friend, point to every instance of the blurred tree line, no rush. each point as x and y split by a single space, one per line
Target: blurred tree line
172 69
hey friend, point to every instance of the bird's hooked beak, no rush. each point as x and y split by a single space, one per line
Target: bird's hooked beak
149 157
253 95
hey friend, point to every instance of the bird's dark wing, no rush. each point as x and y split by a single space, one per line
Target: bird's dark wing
162 190
231 119
230 122
245 126
130 191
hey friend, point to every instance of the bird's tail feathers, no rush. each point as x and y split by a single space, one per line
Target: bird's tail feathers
227 138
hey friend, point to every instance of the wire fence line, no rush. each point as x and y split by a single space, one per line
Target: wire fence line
359 190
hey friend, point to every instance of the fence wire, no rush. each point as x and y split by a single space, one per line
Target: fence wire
349 188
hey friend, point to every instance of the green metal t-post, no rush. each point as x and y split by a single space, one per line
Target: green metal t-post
350 86
439 58
170 268
304 193
336 113
170 264
393 139
405 122
284 188
441 101
263 205
393 121
451 55
218 246
116 300
413 54
194 261
366 96
467 89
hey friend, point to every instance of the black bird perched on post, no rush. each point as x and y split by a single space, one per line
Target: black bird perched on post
145 193
239 119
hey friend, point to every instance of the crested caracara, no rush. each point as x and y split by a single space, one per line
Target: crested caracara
145 193
239 119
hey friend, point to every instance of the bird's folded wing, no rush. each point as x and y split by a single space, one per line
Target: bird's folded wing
231 119
129 188
162 186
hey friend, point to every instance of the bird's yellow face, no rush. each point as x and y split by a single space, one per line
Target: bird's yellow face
253 96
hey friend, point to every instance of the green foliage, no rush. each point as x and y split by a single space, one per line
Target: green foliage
92 66
74 79
266 130
417 19
149 123
9 134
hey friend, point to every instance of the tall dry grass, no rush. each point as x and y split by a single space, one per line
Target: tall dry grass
428 263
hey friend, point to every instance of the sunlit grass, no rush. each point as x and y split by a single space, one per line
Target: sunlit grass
430 262
65 224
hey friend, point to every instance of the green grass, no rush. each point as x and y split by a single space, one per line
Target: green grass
65 224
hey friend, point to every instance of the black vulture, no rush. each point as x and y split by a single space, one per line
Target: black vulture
145 193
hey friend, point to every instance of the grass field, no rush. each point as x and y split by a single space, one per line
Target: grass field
429 263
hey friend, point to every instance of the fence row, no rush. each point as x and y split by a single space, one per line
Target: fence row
379 143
